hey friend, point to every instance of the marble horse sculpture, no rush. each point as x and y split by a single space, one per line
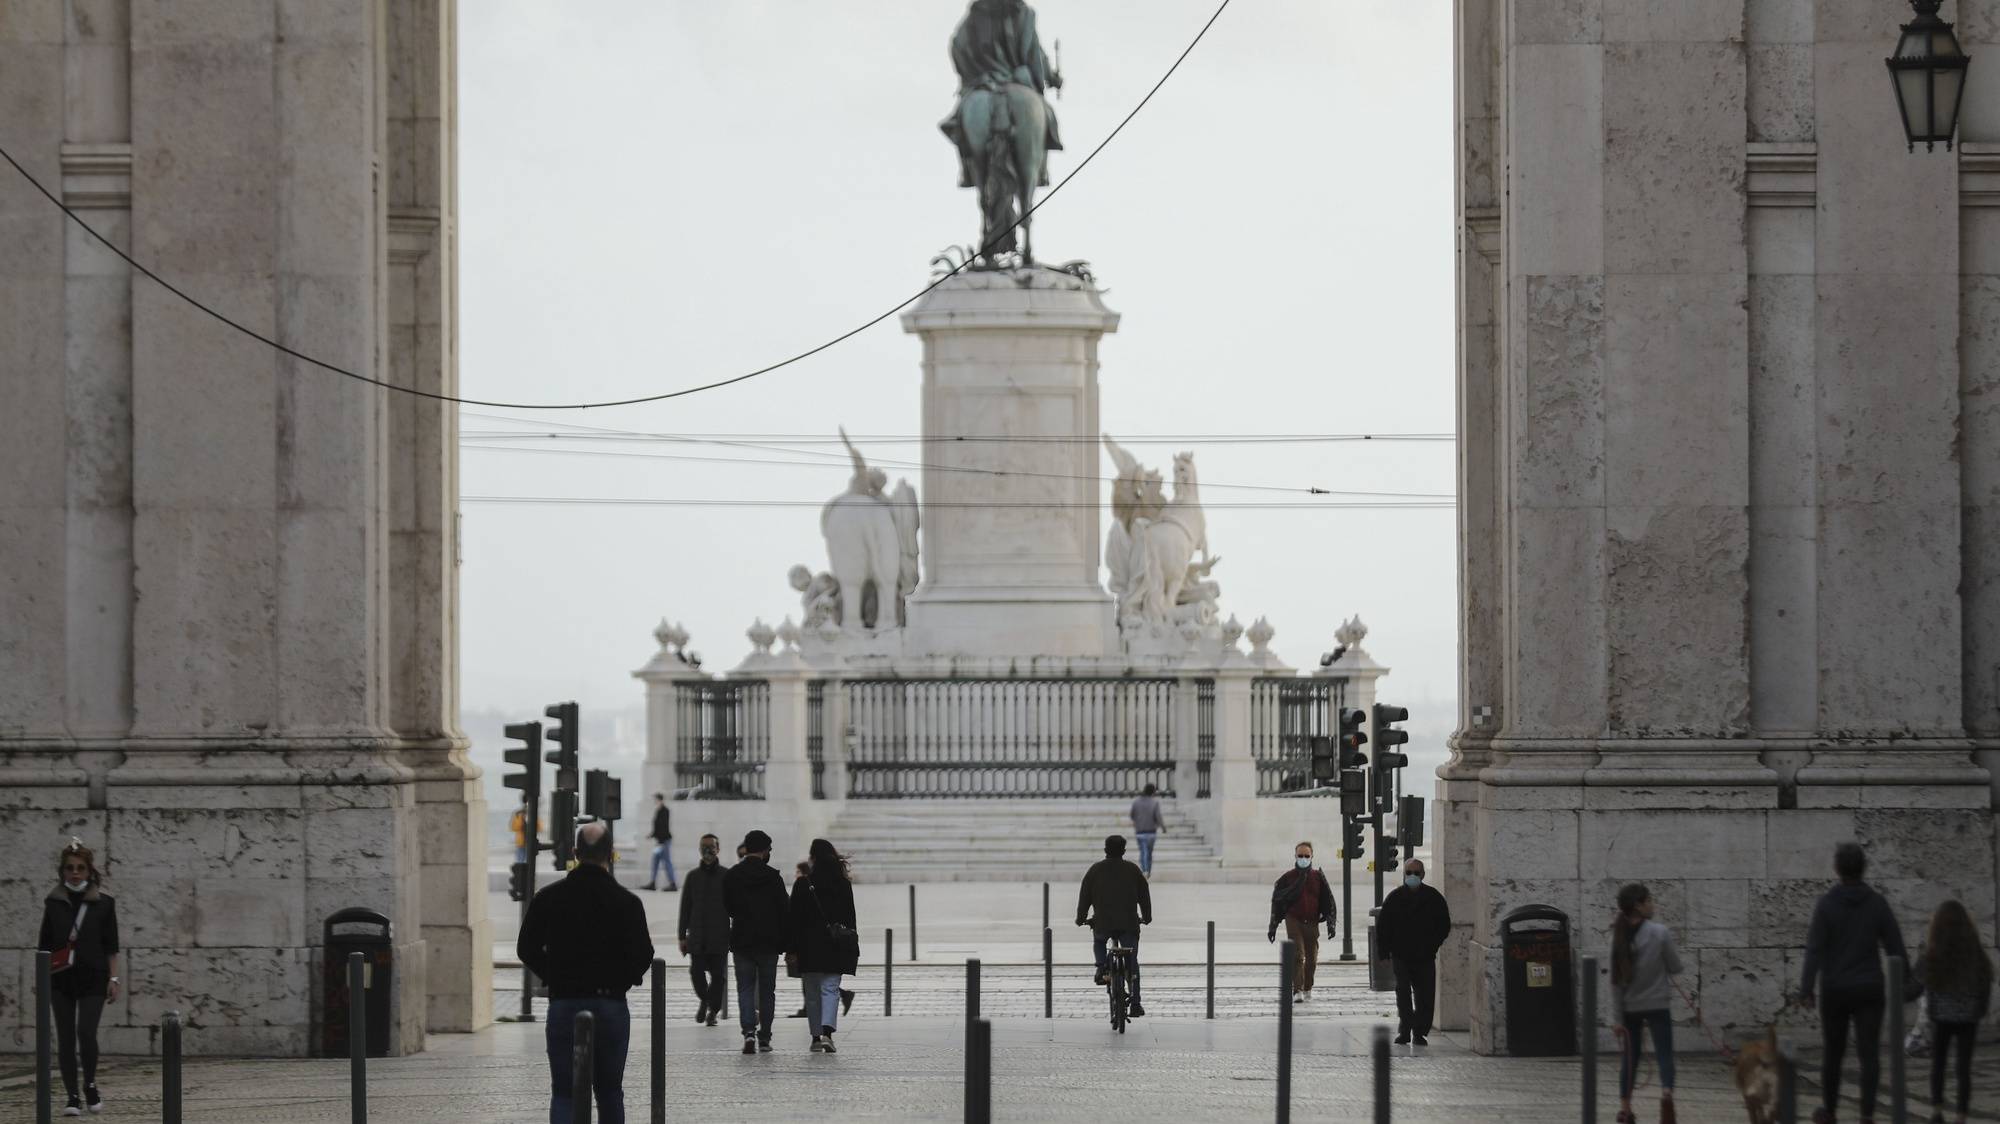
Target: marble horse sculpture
867 532
1167 544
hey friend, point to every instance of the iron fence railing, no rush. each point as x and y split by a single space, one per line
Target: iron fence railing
722 738
992 738
1204 751
1285 715
816 735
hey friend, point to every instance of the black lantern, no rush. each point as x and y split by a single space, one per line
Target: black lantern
1929 74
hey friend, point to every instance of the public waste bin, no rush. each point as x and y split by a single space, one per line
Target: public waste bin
1381 971
1540 980
368 934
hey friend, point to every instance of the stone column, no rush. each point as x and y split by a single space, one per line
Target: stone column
787 773
1010 509
1232 775
662 676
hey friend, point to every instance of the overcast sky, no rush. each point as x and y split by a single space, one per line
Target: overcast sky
659 194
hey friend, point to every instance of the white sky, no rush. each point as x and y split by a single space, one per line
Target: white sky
659 194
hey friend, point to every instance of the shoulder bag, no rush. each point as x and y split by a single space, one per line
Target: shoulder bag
64 958
841 935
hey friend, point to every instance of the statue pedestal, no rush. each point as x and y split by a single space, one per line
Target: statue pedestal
1011 493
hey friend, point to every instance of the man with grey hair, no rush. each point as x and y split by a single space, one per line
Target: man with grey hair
586 937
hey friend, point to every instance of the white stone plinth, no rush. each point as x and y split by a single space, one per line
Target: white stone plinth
1010 486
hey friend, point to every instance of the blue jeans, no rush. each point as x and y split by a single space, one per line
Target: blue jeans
613 1033
663 855
1146 852
822 1001
756 992
1636 1023
1130 939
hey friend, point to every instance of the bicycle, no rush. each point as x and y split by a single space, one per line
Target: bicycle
1118 970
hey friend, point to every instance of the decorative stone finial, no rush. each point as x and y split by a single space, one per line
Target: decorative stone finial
1351 632
761 636
788 634
1260 636
1232 631
672 637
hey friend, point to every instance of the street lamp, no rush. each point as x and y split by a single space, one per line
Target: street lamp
1928 71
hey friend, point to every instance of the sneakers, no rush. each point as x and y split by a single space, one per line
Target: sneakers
763 1045
1422 1040
1103 979
1305 996
749 1045
1298 997
93 1099
818 1046
798 1014
673 888
829 1043
1135 1012
647 886
1667 1110
74 1108
711 1018
701 1016
1402 1038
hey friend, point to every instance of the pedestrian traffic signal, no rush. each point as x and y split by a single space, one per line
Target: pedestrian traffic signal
562 827
1410 821
1353 793
1352 738
1387 735
603 795
1325 762
529 757
563 735
1385 850
521 881
1351 842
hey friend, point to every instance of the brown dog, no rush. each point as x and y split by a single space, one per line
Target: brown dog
1757 1077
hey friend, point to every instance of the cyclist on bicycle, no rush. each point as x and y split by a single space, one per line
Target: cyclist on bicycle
1114 901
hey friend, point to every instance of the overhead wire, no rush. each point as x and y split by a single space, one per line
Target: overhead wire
929 505
357 376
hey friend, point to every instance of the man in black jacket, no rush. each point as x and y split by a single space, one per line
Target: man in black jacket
586 937
1409 929
755 896
1302 901
662 836
1114 901
704 930
1851 927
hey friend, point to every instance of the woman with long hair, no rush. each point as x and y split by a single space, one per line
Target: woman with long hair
825 944
1958 979
80 931
1643 964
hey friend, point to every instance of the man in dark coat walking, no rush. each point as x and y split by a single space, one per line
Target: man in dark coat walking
755 896
1852 928
1302 901
586 937
1114 901
704 930
1410 928
662 836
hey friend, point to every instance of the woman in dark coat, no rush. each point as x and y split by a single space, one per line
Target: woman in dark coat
78 909
823 940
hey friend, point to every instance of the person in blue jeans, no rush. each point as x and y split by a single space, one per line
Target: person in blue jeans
1114 901
586 937
662 836
759 933
1147 825
1643 964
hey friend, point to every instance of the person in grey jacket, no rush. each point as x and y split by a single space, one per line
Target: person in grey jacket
1643 965
1147 825
1851 927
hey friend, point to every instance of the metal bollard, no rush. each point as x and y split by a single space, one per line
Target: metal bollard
1287 967
659 1041
971 1000
1788 1084
1587 1031
979 1072
43 1092
913 922
1211 970
1045 905
1381 1051
357 1035
888 972
582 1067
1899 1093
1048 972
170 1068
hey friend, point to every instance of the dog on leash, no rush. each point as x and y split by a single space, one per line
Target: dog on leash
1757 1077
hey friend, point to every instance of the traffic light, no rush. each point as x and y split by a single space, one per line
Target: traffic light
602 795
562 826
1385 850
563 734
529 779
1387 735
1410 822
1353 793
521 881
1352 738
1352 846
1325 762
614 799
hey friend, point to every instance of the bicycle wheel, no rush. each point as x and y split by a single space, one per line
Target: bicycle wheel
1118 1000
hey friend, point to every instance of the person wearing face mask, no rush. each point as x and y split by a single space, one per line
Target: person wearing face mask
80 930
1303 901
1410 928
704 931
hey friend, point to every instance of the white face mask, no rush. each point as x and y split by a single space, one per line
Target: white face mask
1305 862
77 887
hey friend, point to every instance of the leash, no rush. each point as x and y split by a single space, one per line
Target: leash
1628 1043
1721 1047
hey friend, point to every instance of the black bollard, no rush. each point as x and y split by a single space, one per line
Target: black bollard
357 1035
1048 972
42 1090
659 1041
1045 905
888 971
979 1072
582 1067
1211 970
1381 1051
170 1068
1287 967
971 999
1788 1084
1899 1093
1587 1030
913 922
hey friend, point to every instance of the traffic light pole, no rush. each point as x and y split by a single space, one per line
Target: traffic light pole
1346 902
527 973
1375 831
